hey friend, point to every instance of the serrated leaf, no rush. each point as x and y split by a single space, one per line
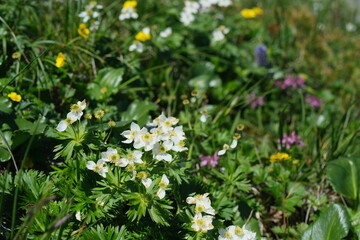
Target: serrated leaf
333 224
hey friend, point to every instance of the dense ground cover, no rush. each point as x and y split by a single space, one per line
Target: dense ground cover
206 119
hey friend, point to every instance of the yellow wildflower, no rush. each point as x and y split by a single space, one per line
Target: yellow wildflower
16 55
83 31
258 11
144 35
60 60
251 13
128 4
14 96
99 114
248 13
279 157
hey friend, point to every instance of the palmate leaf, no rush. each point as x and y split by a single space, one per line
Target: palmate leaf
344 176
333 224
101 233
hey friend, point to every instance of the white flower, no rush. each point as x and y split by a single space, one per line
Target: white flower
244 234
70 119
111 155
131 157
166 33
78 216
164 182
202 203
350 27
131 134
136 46
145 139
77 109
224 3
177 134
98 167
179 146
224 149
128 13
186 18
160 151
207 3
202 224
204 115
236 233
146 30
146 182
219 33
191 7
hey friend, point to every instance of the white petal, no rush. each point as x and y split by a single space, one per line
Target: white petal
165 179
147 182
62 126
123 162
90 165
203 118
161 193
134 127
221 152
234 143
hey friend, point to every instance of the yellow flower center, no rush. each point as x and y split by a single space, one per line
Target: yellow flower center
228 234
147 137
200 208
162 184
130 155
239 231
114 157
75 108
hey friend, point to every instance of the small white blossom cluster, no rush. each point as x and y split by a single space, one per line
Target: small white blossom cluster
161 137
201 222
76 112
219 33
166 33
91 13
187 15
136 46
129 11
236 233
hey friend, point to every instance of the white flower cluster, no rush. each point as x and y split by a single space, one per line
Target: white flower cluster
161 137
76 112
219 33
136 46
201 222
236 233
129 11
187 15
91 13
166 33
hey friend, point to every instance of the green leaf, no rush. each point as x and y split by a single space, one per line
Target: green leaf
33 128
106 83
344 176
5 105
333 224
138 111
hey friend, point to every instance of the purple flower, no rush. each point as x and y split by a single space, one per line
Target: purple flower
291 81
289 140
261 55
254 101
211 160
313 101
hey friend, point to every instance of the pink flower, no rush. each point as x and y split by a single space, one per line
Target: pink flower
211 160
290 81
313 101
289 140
254 101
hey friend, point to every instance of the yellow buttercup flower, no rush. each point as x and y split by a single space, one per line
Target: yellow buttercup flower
60 60
144 35
248 13
83 31
279 157
258 11
128 4
251 13
14 97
